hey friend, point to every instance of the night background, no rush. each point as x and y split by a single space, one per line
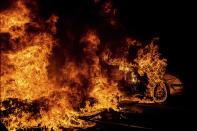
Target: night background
172 22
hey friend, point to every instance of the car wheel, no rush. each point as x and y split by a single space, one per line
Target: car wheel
160 93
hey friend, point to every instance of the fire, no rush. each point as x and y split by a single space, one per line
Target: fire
27 63
31 98
149 62
14 20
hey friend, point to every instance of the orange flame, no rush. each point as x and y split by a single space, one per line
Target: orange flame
85 89
14 20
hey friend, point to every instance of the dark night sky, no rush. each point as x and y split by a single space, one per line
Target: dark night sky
173 23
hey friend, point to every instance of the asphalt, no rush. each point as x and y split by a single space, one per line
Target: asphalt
177 114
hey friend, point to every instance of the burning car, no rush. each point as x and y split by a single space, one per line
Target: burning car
145 77
135 85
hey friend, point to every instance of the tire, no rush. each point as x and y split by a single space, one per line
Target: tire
160 94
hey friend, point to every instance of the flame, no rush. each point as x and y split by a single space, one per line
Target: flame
14 20
83 88
149 62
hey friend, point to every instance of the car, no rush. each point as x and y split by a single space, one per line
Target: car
132 84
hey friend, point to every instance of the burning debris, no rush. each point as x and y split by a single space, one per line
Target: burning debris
100 80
